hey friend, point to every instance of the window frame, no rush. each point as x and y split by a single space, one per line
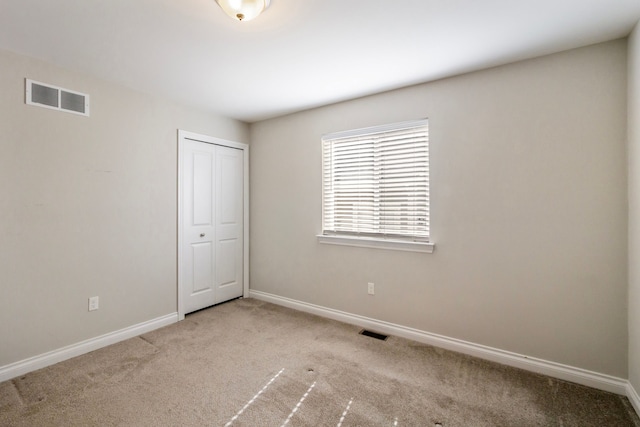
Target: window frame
371 239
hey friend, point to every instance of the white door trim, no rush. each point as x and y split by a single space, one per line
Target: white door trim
182 137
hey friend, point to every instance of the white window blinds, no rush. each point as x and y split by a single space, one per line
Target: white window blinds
376 182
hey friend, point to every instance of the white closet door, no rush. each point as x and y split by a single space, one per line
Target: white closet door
228 224
212 224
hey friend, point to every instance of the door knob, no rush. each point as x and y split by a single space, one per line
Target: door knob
201 234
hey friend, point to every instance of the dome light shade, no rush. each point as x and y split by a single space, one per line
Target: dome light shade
243 10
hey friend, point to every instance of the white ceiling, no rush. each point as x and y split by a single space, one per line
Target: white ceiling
300 53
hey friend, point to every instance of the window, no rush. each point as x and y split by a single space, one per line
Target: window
376 187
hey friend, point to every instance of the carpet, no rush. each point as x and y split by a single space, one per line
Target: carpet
251 363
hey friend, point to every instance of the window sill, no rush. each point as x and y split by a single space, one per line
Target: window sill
369 242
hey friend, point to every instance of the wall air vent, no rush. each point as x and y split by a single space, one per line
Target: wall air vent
56 98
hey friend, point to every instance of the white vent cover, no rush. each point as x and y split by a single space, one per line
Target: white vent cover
56 98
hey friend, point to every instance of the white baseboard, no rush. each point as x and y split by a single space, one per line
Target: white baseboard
634 398
22 367
552 369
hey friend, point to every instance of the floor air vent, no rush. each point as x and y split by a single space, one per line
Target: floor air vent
374 335
56 98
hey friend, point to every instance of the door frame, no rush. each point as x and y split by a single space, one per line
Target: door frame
184 136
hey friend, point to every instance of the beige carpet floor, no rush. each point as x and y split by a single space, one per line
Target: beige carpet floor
250 363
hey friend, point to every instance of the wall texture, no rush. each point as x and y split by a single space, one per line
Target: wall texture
634 208
529 211
87 207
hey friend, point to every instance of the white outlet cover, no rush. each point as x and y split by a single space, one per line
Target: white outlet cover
93 303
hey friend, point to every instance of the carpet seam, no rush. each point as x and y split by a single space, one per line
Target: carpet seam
143 338
17 390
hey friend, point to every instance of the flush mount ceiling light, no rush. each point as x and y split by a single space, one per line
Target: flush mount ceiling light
243 10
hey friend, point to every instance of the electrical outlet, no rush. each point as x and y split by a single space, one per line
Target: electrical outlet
94 303
371 288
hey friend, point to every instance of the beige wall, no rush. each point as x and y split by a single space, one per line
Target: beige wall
87 207
529 214
634 208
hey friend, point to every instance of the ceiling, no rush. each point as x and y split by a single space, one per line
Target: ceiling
299 54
